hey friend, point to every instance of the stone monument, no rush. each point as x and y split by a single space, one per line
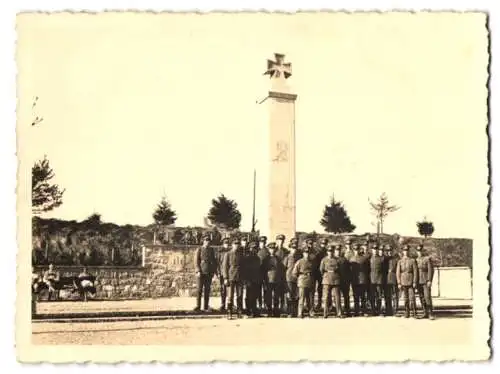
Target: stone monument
282 149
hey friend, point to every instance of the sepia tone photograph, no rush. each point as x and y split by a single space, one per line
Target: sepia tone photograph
252 187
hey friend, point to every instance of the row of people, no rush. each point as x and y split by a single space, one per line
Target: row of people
51 280
278 279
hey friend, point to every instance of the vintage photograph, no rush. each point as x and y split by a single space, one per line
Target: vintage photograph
252 187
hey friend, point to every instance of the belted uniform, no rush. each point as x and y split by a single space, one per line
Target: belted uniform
303 271
330 268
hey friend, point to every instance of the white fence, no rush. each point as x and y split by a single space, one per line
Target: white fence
452 283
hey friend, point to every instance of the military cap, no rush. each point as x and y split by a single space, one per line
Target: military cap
272 245
263 239
225 240
252 244
280 237
324 241
294 240
206 236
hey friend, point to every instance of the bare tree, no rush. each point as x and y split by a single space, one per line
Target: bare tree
381 210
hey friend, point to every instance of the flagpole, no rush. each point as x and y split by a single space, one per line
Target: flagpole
253 209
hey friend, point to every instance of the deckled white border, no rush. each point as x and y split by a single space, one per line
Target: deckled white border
8 160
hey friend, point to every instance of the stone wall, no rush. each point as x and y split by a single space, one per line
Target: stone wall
168 271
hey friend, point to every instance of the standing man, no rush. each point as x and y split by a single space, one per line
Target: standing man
232 268
330 268
281 253
407 276
345 278
220 274
303 271
360 269
425 275
391 292
252 279
291 281
205 263
263 253
317 257
275 274
376 280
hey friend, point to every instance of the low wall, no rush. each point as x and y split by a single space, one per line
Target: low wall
168 271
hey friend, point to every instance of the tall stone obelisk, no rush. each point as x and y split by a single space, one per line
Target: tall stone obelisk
282 149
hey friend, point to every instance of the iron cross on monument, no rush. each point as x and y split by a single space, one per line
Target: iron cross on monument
282 149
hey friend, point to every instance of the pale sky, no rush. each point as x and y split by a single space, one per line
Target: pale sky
138 105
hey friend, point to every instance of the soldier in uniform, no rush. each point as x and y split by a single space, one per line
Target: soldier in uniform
376 280
263 253
281 253
330 268
360 269
205 263
407 277
345 278
391 292
232 268
425 275
303 271
317 257
291 280
220 258
252 279
275 277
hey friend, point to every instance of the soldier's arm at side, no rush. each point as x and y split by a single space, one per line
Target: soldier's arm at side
322 266
430 268
415 272
295 270
398 272
197 261
225 266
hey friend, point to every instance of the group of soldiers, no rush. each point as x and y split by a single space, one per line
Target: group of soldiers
277 280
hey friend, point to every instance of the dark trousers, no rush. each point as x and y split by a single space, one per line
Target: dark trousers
273 294
282 298
293 298
306 295
223 292
203 284
318 289
424 294
345 289
391 299
359 298
252 292
261 297
376 292
327 292
235 287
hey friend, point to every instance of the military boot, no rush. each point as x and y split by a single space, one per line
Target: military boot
426 310
407 311
430 313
